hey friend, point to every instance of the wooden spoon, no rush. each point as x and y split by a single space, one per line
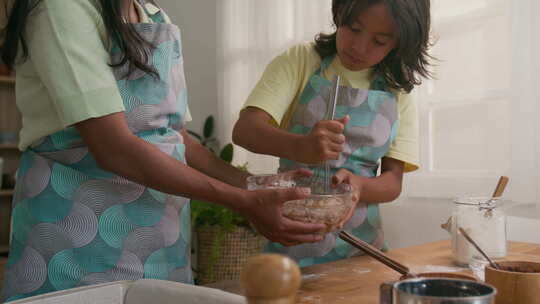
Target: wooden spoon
499 189
491 262
497 193
376 253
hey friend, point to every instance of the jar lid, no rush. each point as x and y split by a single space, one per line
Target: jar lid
482 202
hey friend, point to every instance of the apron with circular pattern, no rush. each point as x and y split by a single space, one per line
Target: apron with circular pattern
75 224
369 134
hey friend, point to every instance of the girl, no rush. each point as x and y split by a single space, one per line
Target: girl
101 89
380 51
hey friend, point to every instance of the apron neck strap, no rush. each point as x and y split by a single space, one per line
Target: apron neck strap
155 17
325 63
378 83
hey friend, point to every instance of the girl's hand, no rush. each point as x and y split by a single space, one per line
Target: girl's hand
346 176
278 180
265 213
295 174
324 142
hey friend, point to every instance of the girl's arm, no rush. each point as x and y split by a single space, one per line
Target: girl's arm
203 160
117 150
374 190
254 132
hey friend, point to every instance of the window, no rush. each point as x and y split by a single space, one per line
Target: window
477 118
253 33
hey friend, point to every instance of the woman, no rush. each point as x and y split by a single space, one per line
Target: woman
105 174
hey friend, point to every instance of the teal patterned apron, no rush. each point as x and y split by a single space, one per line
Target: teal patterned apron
371 130
75 224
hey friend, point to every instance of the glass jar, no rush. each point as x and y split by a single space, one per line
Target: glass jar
485 222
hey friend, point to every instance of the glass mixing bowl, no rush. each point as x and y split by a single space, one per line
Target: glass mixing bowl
321 207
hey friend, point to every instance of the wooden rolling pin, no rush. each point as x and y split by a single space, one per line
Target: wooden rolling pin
270 279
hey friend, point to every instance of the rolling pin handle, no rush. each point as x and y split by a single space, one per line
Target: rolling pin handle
270 279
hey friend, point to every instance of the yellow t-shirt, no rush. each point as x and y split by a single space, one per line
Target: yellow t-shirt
66 78
279 89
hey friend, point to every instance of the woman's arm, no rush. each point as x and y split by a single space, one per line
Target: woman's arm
254 132
117 150
203 160
383 188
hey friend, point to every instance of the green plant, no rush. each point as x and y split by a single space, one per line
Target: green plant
206 214
209 214
208 140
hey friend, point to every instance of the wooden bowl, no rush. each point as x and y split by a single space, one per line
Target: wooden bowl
446 275
516 282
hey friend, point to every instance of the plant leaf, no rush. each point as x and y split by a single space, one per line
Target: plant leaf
243 167
208 214
227 153
208 127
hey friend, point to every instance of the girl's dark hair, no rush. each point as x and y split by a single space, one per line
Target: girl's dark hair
408 62
135 50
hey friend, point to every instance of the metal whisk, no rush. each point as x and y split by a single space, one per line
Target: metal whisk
330 113
321 179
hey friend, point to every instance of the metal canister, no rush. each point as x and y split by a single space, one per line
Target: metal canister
437 291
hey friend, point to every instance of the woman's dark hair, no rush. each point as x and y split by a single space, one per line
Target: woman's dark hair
408 62
135 50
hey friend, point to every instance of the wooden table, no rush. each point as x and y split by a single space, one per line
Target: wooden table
357 280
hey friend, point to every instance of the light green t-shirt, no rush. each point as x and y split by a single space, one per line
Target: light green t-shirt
66 78
279 89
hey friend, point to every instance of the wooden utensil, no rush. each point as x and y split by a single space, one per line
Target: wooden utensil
270 279
497 193
468 238
375 253
499 189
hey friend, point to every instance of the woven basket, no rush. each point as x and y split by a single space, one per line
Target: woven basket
231 253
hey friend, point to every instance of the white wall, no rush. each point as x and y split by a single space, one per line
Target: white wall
197 22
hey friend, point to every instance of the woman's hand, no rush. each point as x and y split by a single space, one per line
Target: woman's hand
324 142
346 176
265 213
